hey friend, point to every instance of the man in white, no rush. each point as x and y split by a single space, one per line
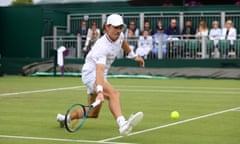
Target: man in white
145 44
229 32
95 69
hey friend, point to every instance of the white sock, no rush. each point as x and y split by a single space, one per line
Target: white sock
121 121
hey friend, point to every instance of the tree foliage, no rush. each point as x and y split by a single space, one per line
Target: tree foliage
22 2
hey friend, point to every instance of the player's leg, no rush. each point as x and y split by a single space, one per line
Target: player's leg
125 126
113 96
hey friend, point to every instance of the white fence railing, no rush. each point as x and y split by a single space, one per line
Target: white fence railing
52 43
175 47
74 20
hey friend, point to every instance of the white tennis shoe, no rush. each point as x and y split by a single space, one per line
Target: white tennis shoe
133 120
60 120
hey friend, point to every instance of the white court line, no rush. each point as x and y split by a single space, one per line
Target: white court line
177 87
172 124
39 91
57 139
136 90
180 91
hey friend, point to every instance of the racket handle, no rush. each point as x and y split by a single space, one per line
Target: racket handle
97 102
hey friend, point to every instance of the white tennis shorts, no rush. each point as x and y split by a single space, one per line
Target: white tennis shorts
89 79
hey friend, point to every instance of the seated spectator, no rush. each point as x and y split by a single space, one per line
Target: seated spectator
215 35
82 32
215 32
133 28
188 30
145 45
103 31
92 36
202 30
158 26
172 29
160 35
132 40
229 33
147 27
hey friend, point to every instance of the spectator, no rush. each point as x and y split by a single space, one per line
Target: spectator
159 25
229 33
173 29
145 45
147 27
82 31
92 35
160 35
215 35
202 30
132 40
188 30
103 31
133 28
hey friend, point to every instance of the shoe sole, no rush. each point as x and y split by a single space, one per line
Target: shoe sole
136 119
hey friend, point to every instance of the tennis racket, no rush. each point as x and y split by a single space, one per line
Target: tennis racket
72 125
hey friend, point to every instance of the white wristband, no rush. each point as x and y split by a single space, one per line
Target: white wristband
99 88
132 54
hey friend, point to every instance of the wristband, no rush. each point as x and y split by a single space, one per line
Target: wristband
132 54
99 88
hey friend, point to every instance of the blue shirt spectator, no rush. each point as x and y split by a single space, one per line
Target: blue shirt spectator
156 38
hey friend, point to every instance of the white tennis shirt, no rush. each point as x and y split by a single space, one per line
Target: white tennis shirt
104 52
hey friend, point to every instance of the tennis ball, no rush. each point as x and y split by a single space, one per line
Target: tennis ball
175 115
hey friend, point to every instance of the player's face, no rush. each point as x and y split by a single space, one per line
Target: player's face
114 32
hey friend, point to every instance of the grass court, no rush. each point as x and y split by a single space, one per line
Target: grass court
209 111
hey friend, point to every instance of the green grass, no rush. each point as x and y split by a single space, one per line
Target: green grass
34 114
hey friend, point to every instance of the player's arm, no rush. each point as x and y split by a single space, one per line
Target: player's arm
100 81
127 49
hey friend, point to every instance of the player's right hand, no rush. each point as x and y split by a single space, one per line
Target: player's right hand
100 96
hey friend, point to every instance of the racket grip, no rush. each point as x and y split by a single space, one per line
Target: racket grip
97 102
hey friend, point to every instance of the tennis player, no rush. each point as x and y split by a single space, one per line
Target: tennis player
95 69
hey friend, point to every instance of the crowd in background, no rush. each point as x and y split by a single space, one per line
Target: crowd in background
146 42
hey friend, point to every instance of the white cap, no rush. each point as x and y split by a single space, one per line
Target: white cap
115 20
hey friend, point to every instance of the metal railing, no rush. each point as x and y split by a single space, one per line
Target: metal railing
74 20
52 43
175 47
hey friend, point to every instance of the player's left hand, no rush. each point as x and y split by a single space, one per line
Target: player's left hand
140 60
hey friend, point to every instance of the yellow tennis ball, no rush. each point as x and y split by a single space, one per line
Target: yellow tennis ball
175 115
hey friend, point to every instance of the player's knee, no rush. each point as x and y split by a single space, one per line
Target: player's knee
117 94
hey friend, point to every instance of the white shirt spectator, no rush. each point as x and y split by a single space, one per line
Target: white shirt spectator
136 33
231 35
145 45
215 35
